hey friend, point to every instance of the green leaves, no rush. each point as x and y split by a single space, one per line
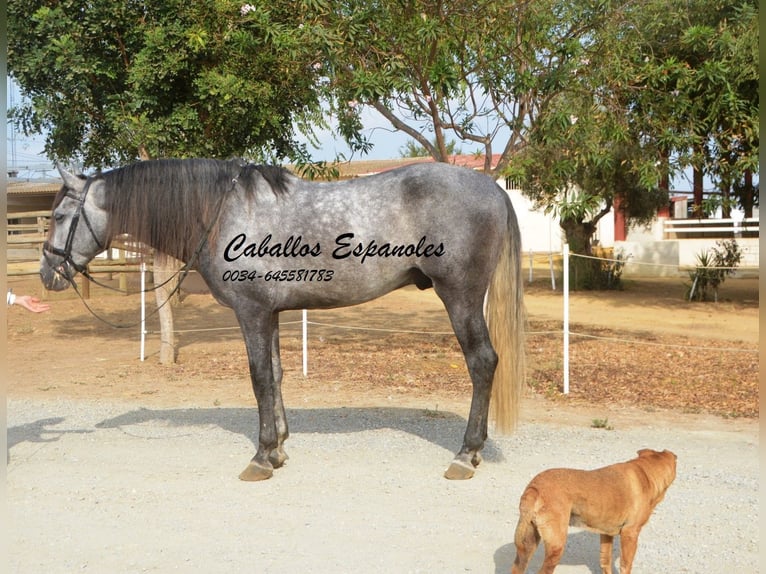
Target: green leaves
604 94
659 86
218 78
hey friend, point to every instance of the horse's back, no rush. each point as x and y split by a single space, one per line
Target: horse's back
426 183
426 196
422 224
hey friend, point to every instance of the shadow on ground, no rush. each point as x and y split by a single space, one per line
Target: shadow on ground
582 549
443 429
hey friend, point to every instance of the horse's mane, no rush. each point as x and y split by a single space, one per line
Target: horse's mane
171 204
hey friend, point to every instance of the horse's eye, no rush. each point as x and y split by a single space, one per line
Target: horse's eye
58 217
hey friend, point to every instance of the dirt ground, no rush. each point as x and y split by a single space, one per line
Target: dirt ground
117 465
641 348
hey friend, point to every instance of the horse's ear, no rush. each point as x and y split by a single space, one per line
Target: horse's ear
71 180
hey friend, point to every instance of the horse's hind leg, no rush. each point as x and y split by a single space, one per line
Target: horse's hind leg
467 317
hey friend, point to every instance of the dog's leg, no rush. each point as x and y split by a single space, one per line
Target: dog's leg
553 554
554 535
628 545
605 558
526 540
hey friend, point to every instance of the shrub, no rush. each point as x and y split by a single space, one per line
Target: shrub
713 267
601 272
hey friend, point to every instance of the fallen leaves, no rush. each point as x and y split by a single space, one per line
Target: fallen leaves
643 370
683 373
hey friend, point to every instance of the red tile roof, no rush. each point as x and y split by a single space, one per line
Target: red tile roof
368 167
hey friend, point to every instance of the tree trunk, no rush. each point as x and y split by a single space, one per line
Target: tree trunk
748 196
164 269
579 235
665 176
726 198
698 189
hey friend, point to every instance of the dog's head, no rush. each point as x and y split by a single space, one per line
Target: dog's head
660 468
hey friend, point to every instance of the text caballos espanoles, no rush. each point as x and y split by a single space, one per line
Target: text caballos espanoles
344 247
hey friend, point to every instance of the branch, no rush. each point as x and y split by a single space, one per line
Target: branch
401 126
604 211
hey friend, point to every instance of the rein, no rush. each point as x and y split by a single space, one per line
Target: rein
66 253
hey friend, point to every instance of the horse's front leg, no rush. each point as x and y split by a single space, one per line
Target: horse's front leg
278 455
258 333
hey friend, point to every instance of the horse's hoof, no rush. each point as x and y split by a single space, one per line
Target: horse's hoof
255 471
459 470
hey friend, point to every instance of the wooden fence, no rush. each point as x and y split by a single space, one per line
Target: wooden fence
26 234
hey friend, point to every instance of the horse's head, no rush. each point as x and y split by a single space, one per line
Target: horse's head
77 230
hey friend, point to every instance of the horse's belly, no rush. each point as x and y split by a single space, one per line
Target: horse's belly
340 291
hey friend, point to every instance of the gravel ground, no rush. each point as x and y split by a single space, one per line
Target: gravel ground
114 487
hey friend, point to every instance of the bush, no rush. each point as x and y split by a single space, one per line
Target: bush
713 267
610 271
602 272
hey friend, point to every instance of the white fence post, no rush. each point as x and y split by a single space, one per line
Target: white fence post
305 343
531 264
566 318
143 310
553 275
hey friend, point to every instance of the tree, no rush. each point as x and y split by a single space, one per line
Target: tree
705 55
111 82
114 81
725 43
475 70
581 162
642 111
587 150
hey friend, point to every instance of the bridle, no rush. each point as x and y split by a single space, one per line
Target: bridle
66 253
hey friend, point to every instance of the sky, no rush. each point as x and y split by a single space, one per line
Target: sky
28 152
23 152
27 155
387 142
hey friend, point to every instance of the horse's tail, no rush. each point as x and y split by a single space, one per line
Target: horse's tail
506 321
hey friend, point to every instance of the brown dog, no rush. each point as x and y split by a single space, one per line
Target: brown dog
614 500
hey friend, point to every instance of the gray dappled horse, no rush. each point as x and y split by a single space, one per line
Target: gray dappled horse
266 241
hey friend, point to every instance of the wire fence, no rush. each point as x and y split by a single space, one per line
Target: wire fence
566 333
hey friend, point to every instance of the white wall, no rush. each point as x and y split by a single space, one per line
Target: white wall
669 257
650 254
541 232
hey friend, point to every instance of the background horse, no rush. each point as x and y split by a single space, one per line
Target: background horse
266 241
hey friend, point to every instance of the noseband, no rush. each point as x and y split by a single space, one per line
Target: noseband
66 253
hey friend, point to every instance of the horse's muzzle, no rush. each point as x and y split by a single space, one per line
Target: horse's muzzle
55 278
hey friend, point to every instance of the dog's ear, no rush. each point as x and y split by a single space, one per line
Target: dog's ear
646 452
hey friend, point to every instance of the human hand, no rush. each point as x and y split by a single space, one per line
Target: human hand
31 303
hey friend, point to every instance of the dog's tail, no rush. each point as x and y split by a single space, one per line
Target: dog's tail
527 511
527 535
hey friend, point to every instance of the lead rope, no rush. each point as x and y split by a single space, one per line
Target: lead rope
181 273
